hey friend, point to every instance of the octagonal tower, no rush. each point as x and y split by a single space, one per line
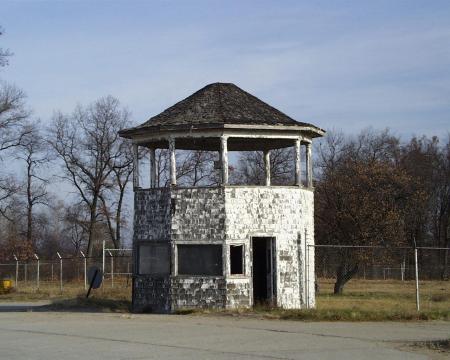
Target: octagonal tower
223 246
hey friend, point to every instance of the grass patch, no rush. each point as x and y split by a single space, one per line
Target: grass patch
325 315
73 297
442 346
381 296
80 303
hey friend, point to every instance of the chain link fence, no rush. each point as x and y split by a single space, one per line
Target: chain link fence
381 278
346 277
69 273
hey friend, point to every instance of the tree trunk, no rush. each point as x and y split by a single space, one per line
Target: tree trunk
92 221
343 276
118 239
445 244
29 206
445 274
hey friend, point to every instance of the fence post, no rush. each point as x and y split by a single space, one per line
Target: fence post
112 269
417 279
17 271
60 272
85 270
103 263
402 269
37 271
307 277
26 272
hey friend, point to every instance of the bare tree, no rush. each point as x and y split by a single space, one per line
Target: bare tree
76 225
251 168
361 198
4 53
8 188
113 196
12 115
196 168
33 152
87 143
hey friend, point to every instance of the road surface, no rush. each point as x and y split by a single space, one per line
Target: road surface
69 335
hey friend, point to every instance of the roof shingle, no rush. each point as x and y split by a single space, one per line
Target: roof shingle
218 104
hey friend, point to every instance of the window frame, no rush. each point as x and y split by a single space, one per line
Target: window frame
244 265
185 243
154 244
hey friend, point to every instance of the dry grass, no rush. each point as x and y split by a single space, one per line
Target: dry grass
363 300
72 290
382 295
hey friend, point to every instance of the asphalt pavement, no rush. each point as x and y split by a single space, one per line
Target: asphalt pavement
30 334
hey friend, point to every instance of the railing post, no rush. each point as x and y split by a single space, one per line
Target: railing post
298 164
309 175
224 159
60 272
173 162
267 166
135 166
152 167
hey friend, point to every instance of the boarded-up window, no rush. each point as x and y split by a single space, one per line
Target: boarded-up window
200 260
154 259
236 259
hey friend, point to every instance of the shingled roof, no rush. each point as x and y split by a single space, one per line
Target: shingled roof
218 104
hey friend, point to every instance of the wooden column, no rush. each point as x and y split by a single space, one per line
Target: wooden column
152 167
173 162
135 166
224 159
309 177
298 163
267 166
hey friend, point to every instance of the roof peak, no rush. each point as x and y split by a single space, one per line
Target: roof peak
219 104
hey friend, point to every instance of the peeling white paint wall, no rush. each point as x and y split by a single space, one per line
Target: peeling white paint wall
227 215
286 213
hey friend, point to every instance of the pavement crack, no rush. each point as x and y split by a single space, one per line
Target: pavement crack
136 342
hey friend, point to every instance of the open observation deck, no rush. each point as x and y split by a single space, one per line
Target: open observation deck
222 117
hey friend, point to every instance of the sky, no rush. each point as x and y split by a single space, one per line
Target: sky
344 65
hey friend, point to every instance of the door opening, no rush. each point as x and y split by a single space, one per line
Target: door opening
264 270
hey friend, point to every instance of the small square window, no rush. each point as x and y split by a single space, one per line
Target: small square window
154 259
236 259
203 260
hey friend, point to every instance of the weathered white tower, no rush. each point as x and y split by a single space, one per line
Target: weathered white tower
224 246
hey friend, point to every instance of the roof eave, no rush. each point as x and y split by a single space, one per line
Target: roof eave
136 131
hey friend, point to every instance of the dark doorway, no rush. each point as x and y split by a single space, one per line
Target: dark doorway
263 261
